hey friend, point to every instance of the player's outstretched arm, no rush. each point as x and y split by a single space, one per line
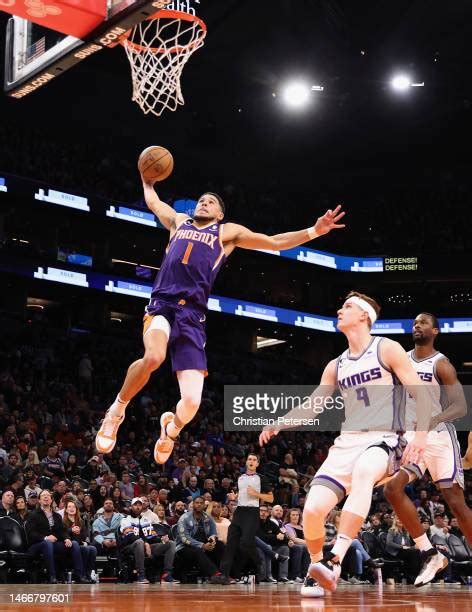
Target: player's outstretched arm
307 409
454 392
165 213
243 237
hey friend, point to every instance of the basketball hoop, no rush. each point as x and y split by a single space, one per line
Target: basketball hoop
158 49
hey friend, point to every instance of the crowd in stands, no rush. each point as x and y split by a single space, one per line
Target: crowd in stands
410 201
170 520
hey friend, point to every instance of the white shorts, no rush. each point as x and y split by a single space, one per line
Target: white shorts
336 471
441 457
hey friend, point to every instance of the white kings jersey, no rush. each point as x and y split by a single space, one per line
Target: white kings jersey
426 369
373 396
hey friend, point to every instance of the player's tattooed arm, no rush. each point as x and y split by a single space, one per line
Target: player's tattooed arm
245 238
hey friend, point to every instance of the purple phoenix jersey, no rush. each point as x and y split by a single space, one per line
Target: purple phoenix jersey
181 290
193 259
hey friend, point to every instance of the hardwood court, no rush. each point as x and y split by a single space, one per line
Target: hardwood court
149 598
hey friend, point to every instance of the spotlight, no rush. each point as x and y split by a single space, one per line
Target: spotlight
296 94
401 82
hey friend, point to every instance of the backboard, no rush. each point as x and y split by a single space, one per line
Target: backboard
35 55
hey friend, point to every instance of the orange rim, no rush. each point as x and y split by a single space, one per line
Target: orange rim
167 15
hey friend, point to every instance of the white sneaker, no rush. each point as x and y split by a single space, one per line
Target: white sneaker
164 445
311 588
433 562
298 580
326 573
106 436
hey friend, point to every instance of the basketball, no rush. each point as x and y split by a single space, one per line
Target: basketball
155 163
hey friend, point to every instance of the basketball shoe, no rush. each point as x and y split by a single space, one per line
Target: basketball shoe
106 436
311 588
165 444
433 562
326 572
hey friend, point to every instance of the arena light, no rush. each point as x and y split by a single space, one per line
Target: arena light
296 94
401 82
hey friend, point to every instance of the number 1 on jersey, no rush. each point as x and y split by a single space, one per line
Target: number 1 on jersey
188 250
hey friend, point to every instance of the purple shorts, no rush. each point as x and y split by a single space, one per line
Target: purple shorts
187 336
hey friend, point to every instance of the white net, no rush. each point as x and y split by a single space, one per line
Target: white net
158 50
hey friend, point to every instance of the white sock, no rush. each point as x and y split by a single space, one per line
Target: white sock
118 407
423 542
315 557
172 430
341 546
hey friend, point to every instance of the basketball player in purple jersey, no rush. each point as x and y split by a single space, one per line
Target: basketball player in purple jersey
175 316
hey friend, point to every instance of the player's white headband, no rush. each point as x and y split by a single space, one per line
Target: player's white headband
365 306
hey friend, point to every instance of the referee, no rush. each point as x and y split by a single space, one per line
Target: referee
252 488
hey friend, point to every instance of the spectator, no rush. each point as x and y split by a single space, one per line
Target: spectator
47 536
439 528
59 490
100 496
270 533
72 470
91 471
126 487
32 484
104 529
197 542
147 513
33 460
64 437
77 532
21 511
299 556
17 485
222 524
52 464
153 497
134 533
400 546
162 526
88 506
118 502
8 503
454 528
141 487
32 502
192 491
179 510
156 541
11 469
162 498
288 470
